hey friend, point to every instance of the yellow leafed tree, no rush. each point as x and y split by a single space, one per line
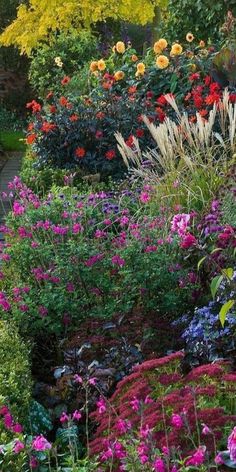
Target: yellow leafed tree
42 18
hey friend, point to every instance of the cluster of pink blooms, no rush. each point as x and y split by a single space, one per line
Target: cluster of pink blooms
180 225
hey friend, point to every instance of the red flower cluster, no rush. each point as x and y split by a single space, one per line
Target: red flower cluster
158 389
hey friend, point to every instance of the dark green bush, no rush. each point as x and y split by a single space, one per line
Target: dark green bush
15 377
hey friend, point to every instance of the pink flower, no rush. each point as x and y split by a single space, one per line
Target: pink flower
78 379
177 421
18 209
40 443
144 197
92 381
232 445
18 447
77 415
218 459
198 457
148 400
180 223
43 311
17 428
117 260
77 228
8 421
159 465
135 404
123 426
206 430
145 431
142 450
124 221
4 410
188 241
64 418
101 404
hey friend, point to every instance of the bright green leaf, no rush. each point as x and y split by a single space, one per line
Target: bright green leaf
215 283
225 309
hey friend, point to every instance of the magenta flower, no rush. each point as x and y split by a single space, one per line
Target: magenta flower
33 462
135 404
8 421
177 421
64 418
218 459
77 415
40 443
198 457
159 465
117 260
92 381
188 241
101 404
206 430
123 426
18 447
77 228
180 223
18 209
232 445
144 197
78 379
17 428
4 410
43 311
145 431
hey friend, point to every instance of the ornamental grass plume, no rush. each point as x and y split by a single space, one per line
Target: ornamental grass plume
195 153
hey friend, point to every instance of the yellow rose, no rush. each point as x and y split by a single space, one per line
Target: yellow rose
176 49
101 65
160 45
202 44
114 49
134 58
93 66
141 68
120 47
189 37
162 62
119 75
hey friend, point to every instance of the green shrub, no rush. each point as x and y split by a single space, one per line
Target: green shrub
202 17
15 377
74 52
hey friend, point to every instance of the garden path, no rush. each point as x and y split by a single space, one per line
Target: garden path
10 169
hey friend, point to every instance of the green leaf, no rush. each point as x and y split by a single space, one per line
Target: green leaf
228 272
200 262
225 309
215 283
